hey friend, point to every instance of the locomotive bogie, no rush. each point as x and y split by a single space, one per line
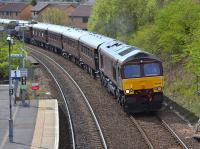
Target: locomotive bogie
143 103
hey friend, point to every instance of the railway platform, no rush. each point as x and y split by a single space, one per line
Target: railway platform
35 126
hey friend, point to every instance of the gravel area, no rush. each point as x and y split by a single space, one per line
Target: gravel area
117 126
159 136
48 91
184 130
86 134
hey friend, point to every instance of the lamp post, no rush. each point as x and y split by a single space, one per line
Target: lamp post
9 39
23 90
23 28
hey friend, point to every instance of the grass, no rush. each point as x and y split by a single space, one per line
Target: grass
182 89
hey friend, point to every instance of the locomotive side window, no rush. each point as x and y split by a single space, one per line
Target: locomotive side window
119 72
101 57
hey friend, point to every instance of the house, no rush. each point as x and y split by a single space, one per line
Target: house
79 17
47 8
19 10
38 9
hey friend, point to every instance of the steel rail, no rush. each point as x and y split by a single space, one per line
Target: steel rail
85 98
172 132
150 145
66 104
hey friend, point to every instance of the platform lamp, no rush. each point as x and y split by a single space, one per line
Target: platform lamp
10 41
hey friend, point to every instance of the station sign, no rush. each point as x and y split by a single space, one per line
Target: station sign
17 56
1 28
15 74
35 86
23 87
23 72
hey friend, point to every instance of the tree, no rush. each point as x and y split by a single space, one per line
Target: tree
54 16
173 36
119 18
4 57
33 2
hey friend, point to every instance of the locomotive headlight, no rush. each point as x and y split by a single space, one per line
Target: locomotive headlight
158 88
127 91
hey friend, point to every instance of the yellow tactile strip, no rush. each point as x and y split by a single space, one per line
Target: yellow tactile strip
46 133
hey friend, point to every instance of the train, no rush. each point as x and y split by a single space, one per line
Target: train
133 76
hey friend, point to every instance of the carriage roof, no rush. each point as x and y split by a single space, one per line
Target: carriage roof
94 40
74 33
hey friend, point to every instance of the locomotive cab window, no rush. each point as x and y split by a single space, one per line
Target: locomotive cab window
132 71
152 69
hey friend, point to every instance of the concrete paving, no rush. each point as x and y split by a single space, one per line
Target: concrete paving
35 126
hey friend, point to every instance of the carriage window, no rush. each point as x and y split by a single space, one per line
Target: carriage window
91 53
152 69
132 71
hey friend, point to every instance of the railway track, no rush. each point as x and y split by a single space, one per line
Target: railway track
151 126
120 132
85 129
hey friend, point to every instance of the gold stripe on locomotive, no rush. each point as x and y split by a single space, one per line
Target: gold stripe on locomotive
135 85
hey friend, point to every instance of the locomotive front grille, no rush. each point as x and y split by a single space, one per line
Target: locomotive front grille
144 92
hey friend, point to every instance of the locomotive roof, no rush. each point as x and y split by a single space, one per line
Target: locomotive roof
122 52
94 40
74 33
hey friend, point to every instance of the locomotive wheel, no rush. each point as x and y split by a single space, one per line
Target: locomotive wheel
115 94
105 82
118 96
123 101
102 80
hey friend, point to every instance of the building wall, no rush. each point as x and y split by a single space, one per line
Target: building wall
68 11
78 22
10 15
26 13
23 15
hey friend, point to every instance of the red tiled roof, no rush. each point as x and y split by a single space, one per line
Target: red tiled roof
82 11
39 6
13 7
